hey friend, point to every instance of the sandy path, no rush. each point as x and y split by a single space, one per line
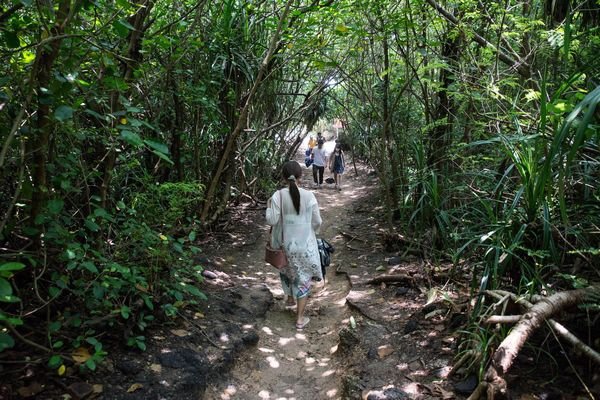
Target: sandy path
287 364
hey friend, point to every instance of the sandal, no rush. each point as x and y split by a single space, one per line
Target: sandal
301 325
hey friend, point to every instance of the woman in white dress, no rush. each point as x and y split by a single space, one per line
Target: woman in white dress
301 221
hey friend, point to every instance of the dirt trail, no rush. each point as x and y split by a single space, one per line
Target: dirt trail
287 364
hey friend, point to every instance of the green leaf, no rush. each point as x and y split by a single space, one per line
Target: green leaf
132 138
58 344
192 236
90 266
147 301
63 113
163 156
125 312
95 114
91 225
27 3
54 326
122 28
55 206
12 266
10 320
98 292
91 364
6 341
194 291
115 83
55 361
53 291
161 148
5 288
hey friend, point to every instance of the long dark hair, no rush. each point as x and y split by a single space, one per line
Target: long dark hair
292 171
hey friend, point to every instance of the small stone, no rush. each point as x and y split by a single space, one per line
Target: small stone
372 353
128 367
384 351
80 390
411 326
209 274
401 291
386 394
394 260
250 338
467 386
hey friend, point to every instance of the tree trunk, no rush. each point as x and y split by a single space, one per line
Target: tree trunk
134 56
440 138
43 64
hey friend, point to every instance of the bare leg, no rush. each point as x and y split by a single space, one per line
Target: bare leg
300 310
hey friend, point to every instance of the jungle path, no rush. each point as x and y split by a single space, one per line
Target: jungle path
291 364
369 337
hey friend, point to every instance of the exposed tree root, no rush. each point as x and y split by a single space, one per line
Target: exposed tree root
532 319
391 278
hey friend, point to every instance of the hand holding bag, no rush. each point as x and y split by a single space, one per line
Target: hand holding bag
276 257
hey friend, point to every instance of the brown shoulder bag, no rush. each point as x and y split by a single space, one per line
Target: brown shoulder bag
276 257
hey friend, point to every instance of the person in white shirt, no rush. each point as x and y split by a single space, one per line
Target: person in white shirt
296 211
319 161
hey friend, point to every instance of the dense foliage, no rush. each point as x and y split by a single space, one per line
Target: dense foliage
128 127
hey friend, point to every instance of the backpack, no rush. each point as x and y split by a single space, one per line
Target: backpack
325 250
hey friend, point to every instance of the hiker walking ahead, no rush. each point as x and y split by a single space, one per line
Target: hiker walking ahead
337 165
319 161
301 220
312 142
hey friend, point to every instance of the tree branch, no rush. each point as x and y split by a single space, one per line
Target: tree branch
519 65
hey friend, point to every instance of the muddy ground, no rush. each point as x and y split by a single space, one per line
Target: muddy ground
367 338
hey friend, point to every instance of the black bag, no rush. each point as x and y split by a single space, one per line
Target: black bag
325 250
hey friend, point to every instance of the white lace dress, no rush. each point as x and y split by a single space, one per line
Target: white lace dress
300 241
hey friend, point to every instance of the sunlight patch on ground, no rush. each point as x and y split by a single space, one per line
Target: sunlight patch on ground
309 360
341 302
402 367
228 392
328 373
273 363
300 336
266 350
285 341
411 388
332 393
224 338
267 330
333 349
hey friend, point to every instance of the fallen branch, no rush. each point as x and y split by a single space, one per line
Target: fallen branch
352 237
391 278
578 344
502 319
532 319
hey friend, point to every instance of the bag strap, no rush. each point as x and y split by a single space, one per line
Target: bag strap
281 215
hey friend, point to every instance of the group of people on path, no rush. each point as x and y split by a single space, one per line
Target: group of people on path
294 211
319 159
